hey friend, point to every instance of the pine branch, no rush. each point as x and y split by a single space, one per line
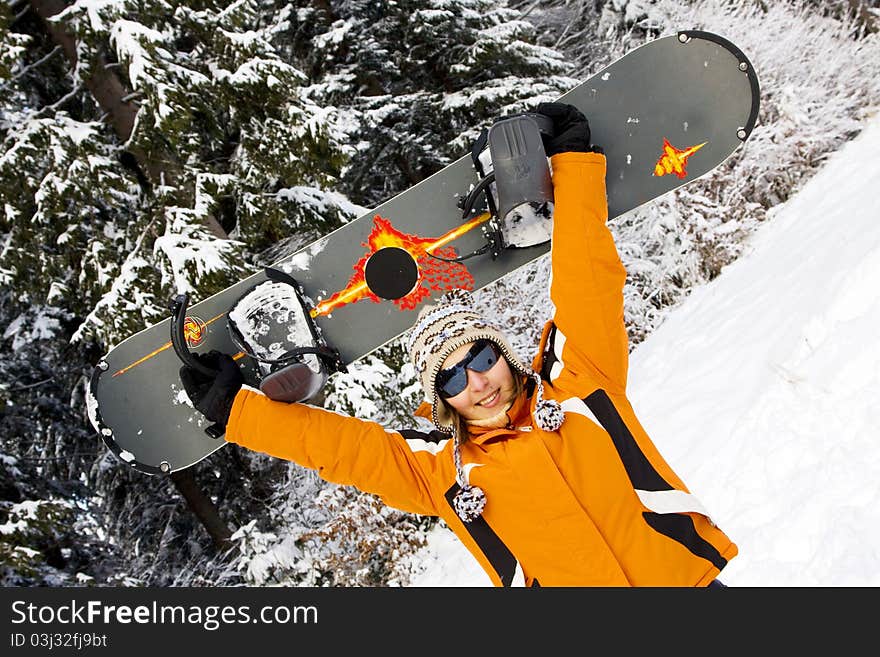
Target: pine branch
43 111
31 67
45 459
111 95
31 385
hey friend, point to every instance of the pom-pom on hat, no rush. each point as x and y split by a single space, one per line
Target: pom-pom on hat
442 328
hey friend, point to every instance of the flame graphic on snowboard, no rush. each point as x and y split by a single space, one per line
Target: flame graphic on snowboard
674 160
433 275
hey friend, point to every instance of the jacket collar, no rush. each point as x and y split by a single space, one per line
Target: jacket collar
518 416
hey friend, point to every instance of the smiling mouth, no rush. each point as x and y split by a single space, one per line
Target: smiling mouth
491 399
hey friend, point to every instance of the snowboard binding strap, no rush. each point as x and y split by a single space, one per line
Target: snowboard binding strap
262 325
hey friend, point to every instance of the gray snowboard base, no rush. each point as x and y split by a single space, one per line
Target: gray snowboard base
666 113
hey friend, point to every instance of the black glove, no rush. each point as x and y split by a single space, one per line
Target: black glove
212 395
571 130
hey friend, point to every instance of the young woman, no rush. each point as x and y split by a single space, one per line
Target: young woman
544 472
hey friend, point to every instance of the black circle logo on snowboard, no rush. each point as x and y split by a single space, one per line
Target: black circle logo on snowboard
391 273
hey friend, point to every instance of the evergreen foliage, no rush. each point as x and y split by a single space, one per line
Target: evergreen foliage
100 229
419 79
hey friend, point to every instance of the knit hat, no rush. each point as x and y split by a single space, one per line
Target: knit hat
439 330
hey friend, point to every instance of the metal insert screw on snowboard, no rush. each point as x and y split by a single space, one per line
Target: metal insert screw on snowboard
742 134
103 366
743 67
165 467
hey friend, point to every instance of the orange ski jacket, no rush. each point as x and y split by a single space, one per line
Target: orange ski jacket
591 504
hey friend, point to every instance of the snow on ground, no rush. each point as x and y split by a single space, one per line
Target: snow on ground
762 390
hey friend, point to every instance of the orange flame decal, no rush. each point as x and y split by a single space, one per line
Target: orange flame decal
674 160
434 275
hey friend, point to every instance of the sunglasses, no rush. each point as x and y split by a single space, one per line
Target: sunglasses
479 358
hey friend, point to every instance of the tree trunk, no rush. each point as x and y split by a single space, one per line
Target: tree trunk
106 88
201 505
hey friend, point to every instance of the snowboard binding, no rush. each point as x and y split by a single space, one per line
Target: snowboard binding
270 323
515 181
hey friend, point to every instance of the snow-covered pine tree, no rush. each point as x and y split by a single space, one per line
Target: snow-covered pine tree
420 78
59 185
100 227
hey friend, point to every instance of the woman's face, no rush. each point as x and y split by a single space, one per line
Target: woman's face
487 393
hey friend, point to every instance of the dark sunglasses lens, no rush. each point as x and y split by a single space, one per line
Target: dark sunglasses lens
484 359
453 380
455 384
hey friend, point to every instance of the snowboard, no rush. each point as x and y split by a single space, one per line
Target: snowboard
666 113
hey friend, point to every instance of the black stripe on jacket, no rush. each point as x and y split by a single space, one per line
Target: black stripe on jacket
488 541
642 475
548 358
433 436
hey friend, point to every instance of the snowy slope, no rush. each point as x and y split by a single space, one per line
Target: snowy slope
762 389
